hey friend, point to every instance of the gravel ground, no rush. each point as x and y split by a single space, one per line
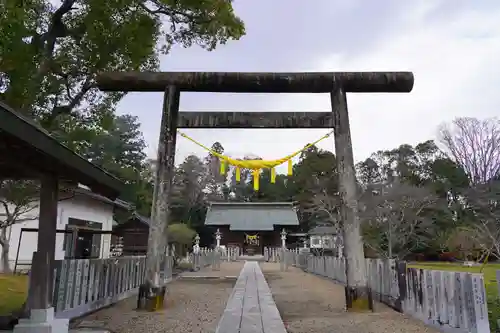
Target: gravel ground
226 269
308 303
191 306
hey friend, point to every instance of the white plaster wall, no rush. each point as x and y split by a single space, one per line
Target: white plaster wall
79 207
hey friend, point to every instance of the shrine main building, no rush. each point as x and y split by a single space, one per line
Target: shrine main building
252 225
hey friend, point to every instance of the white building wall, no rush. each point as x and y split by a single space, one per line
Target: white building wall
78 207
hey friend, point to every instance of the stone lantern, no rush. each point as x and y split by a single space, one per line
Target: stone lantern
283 238
196 246
218 236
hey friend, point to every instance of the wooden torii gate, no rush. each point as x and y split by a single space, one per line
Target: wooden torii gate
336 84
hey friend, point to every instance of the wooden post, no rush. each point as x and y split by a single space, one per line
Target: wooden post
356 290
152 293
401 271
42 270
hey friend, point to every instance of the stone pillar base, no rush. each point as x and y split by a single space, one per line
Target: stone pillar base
358 299
151 298
42 321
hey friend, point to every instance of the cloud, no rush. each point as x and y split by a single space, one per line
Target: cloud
452 48
453 61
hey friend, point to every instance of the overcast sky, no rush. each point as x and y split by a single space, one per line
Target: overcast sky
452 47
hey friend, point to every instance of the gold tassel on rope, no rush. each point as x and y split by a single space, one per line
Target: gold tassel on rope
238 174
273 176
256 176
222 167
255 164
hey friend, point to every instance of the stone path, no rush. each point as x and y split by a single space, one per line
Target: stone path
309 303
251 308
192 305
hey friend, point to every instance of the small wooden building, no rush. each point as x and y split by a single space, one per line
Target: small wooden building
324 236
252 225
132 235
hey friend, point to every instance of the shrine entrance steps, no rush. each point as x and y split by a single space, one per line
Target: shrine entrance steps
250 307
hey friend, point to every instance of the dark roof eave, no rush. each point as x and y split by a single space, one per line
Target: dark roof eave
134 216
76 168
323 231
116 203
142 219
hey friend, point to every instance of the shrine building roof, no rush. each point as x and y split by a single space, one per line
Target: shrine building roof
251 216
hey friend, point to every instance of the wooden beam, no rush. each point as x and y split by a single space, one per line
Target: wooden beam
42 270
361 82
255 120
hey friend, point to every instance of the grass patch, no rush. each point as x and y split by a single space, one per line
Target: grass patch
13 292
490 283
184 266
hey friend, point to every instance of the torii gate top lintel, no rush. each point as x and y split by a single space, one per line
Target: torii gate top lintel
246 82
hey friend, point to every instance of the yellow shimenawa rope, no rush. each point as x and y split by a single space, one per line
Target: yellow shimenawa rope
255 165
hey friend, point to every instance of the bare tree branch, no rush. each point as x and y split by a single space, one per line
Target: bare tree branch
394 217
483 200
325 208
17 199
475 146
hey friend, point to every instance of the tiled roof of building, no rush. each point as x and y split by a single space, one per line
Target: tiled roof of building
322 230
251 216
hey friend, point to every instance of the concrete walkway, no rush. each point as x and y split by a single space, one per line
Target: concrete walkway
309 303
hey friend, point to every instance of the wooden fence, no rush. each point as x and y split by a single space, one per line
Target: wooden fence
231 254
449 301
228 254
82 286
206 258
272 254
